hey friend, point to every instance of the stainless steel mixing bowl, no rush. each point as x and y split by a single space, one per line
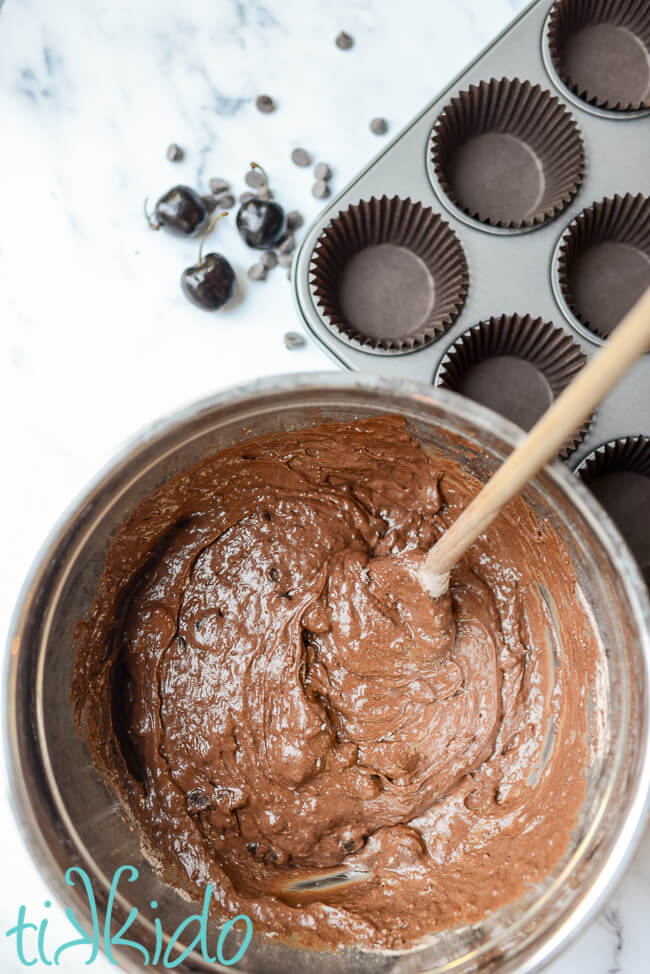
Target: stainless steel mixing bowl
69 818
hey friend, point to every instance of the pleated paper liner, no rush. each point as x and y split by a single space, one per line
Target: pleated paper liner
618 474
601 50
516 365
389 274
508 154
604 260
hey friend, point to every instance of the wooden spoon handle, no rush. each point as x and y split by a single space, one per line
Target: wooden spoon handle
626 344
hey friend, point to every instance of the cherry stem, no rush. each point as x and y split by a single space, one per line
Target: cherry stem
207 233
256 165
154 226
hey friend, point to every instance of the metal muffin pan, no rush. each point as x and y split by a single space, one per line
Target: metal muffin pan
511 270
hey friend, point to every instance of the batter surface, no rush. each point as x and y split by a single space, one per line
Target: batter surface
272 695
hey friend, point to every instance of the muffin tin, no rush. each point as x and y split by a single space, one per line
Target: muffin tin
493 245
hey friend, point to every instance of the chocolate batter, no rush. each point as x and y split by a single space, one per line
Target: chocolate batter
273 697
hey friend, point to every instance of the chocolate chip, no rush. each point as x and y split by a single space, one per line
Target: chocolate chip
245 197
350 846
175 153
274 574
301 157
266 515
344 41
210 203
218 185
269 259
265 104
198 799
254 178
293 339
257 272
225 201
285 260
252 847
322 171
320 189
294 220
286 244
379 126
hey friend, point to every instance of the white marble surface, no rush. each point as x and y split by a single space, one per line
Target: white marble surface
96 336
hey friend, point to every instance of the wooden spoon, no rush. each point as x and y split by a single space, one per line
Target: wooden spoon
627 343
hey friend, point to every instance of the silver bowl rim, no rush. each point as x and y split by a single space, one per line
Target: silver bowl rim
633 824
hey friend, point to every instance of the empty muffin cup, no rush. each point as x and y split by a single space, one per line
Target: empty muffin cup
508 154
603 263
601 50
389 274
618 474
516 365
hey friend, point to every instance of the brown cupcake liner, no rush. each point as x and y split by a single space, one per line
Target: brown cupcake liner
389 274
603 261
525 363
489 144
630 453
597 48
626 500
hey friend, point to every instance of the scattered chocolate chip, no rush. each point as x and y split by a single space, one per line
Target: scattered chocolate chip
301 157
257 272
294 220
225 201
322 171
252 847
175 153
265 104
286 244
344 41
320 189
274 574
293 339
285 260
210 203
254 178
266 515
218 185
379 126
245 197
269 259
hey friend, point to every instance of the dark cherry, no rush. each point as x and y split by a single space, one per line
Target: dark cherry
210 283
260 222
181 211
